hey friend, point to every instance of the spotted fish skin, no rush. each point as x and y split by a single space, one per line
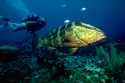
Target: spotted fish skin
73 36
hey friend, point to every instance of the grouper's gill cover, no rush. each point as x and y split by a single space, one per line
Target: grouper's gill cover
73 36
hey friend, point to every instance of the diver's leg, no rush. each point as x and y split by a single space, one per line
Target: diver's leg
16 26
5 22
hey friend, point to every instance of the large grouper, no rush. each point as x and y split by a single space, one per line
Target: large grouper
72 36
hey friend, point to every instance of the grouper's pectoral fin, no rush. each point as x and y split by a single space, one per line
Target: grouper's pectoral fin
67 50
73 50
71 47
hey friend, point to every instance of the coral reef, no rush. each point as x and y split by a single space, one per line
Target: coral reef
8 53
14 72
115 63
105 65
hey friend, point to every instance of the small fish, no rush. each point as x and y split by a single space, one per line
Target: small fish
72 36
83 9
66 21
63 5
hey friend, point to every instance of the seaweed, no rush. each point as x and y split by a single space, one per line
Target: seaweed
114 63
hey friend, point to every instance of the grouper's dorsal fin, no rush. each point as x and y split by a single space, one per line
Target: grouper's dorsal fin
89 26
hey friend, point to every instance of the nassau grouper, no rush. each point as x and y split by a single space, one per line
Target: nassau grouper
72 36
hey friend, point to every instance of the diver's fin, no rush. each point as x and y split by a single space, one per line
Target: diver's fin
1 26
4 21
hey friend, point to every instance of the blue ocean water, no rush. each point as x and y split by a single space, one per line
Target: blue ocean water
102 62
105 14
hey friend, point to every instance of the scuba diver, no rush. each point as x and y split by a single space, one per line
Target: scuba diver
31 23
